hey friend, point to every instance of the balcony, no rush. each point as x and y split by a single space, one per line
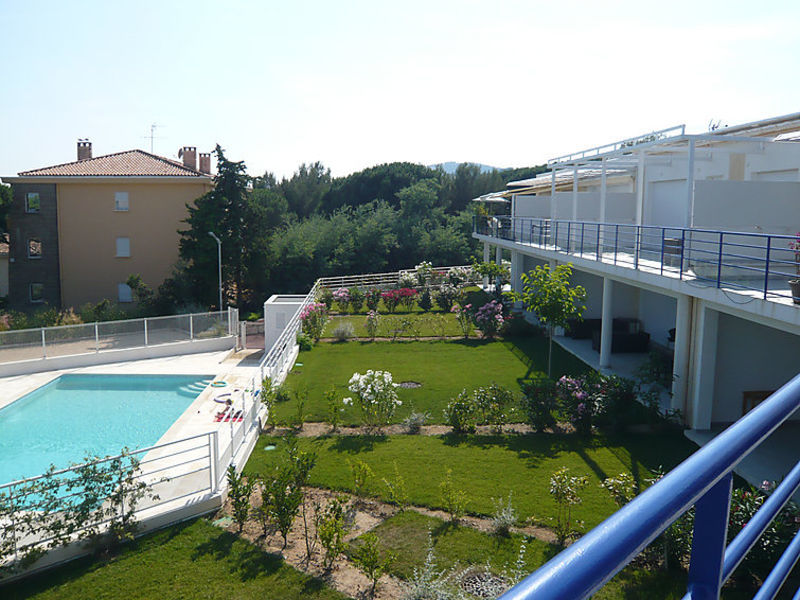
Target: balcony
750 265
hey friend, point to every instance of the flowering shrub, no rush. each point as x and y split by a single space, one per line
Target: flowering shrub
391 299
342 298
464 317
314 316
461 413
407 297
376 396
325 295
459 276
622 488
581 401
489 318
373 297
372 324
356 298
540 403
424 272
407 280
565 490
446 296
495 404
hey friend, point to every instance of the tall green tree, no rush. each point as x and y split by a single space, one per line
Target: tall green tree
230 213
5 204
551 297
305 190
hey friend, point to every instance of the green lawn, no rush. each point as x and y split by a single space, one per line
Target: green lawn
191 561
443 368
406 535
411 325
487 467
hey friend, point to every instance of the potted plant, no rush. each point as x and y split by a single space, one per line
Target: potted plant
794 284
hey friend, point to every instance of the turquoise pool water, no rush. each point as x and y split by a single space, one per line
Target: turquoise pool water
75 415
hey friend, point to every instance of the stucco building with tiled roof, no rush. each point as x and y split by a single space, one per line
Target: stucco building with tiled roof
79 229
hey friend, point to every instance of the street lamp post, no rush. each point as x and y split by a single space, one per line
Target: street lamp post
219 264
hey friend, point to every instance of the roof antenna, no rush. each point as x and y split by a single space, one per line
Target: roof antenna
153 135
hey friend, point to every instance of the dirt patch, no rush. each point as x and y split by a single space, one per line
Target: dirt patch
316 429
366 514
409 385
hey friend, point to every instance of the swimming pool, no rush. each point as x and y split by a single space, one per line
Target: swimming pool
75 415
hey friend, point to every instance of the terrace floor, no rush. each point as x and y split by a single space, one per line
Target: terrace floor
771 461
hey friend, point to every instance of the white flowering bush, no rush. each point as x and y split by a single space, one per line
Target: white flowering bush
376 396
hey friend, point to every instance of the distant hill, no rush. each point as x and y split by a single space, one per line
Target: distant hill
450 167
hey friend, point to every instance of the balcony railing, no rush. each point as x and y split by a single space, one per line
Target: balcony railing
754 264
703 481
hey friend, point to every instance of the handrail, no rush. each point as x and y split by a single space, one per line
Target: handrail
589 563
631 142
741 260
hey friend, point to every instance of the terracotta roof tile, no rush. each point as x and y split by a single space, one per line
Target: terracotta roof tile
4 244
122 164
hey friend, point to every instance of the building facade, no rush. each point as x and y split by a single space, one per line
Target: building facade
78 230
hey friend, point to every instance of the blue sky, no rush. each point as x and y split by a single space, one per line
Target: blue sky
354 84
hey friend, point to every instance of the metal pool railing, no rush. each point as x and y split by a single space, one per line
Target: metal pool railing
753 263
704 481
107 336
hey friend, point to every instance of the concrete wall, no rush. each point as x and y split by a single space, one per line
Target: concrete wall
750 357
755 206
657 313
3 276
594 293
626 301
532 206
88 226
620 207
278 311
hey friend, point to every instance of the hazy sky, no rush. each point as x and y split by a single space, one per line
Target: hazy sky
354 84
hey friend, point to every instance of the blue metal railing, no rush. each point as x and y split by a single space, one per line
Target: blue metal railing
703 481
735 260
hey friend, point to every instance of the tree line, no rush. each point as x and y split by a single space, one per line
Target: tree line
279 236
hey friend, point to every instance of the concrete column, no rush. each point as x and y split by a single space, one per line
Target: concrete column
498 260
703 366
553 193
640 190
575 193
607 323
690 185
603 197
486 260
680 368
516 270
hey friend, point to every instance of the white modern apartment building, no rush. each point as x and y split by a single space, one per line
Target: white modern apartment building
687 237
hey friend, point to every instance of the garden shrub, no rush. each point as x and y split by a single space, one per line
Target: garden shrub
335 407
425 301
373 298
282 393
446 296
391 298
540 402
361 473
357 299
463 317
622 488
580 401
313 317
407 297
396 487
489 318
460 276
504 516
495 405
618 399
461 413
407 280
304 341
342 299
565 490
376 396
343 331
454 499
415 421
367 557
331 529
424 273
325 296
372 324
239 491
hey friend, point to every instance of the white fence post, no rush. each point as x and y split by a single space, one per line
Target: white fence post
96 337
44 346
145 332
191 327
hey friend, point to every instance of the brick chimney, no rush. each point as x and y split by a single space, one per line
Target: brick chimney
84 149
189 154
205 163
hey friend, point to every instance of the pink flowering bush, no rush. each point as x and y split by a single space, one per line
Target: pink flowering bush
581 402
489 318
407 297
464 317
373 298
313 317
795 246
342 299
391 298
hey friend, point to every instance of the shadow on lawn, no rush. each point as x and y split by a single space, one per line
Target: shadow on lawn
357 444
247 563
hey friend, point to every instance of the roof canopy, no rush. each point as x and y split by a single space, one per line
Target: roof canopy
131 163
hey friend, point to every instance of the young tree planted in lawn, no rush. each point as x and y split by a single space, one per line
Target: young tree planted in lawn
239 492
367 557
549 295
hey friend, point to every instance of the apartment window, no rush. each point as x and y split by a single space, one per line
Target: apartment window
34 248
121 201
124 293
123 247
32 202
36 292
